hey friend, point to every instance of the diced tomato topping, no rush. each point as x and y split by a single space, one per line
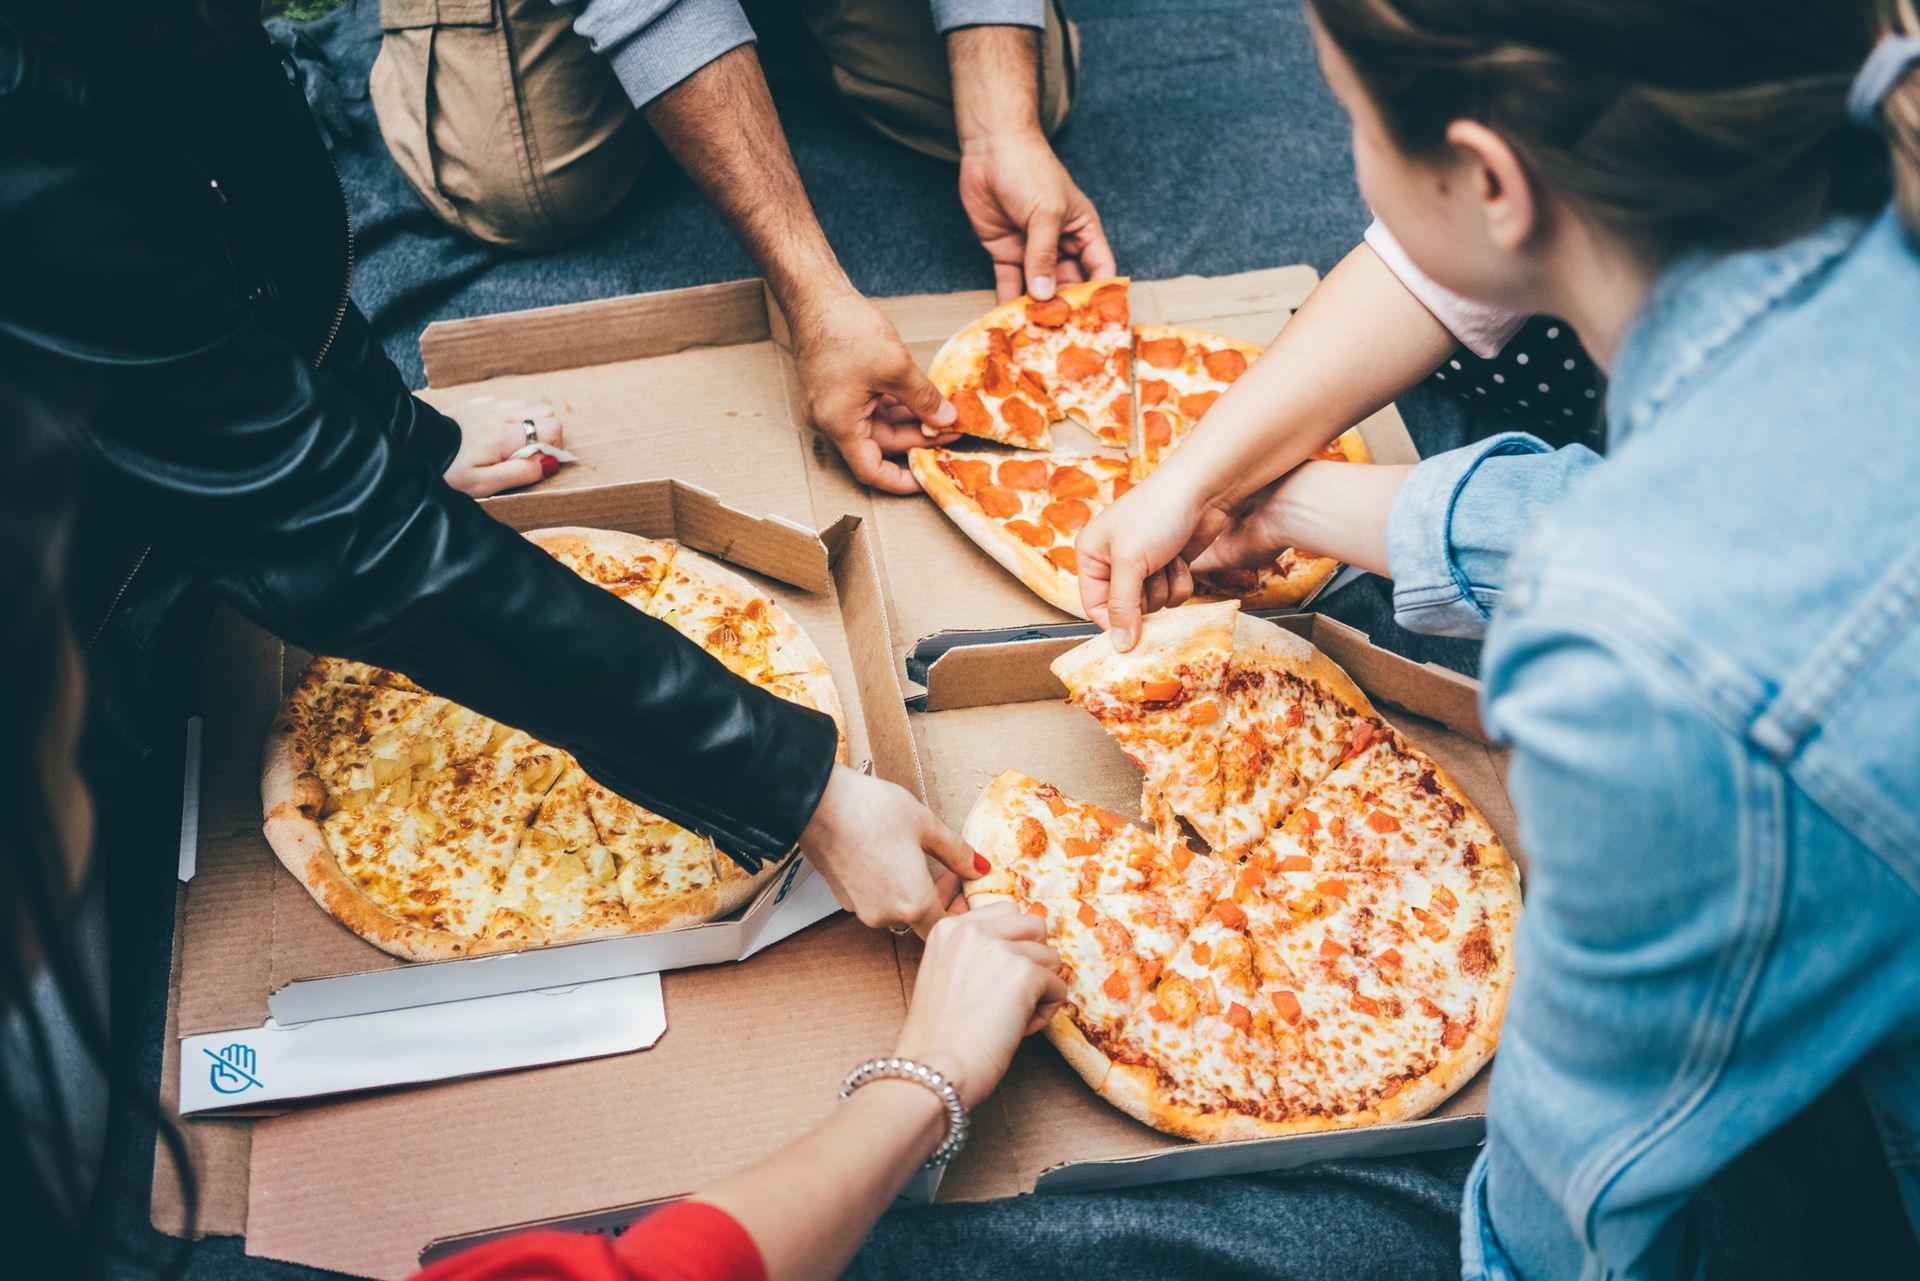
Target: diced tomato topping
1436 929
1160 691
1077 846
1182 856
1117 986
1056 803
1240 1016
1149 972
1109 821
1381 821
1252 877
1159 1012
1333 887
1295 863
1229 914
1360 736
1391 957
1296 716
1204 712
1337 827
1087 915
1202 953
1443 900
1431 1010
1365 1004
1330 950
1286 1005
1306 820
1036 909
1453 1036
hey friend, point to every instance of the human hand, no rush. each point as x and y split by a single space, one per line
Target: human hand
863 390
871 840
987 980
491 429
1138 555
1038 227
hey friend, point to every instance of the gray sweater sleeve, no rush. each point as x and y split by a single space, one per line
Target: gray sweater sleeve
655 44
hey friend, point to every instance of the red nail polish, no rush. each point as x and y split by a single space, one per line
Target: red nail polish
549 464
981 865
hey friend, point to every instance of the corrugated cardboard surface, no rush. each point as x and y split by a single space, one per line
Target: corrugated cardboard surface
711 362
998 707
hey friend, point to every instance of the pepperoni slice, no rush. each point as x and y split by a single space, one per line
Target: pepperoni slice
1156 427
996 378
1023 419
998 502
1069 516
1024 473
971 474
1122 364
1196 405
1030 534
1051 314
1121 484
1121 410
1153 391
1000 343
1330 452
1065 560
1163 353
1070 482
1077 363
974 419
1109 302
1225 365
1036 390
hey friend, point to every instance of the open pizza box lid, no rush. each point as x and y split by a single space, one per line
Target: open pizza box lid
714 362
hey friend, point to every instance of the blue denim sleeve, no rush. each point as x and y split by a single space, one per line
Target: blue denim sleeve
1458 518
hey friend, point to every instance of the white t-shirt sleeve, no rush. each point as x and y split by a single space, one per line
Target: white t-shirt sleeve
1481 329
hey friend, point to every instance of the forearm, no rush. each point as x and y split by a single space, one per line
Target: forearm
1360 340
1339 510
808 1206
996 84
720 124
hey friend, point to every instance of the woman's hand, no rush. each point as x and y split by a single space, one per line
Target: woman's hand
871 840
492 428
1136 556
987 980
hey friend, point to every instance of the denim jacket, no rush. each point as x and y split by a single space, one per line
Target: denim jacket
1704 653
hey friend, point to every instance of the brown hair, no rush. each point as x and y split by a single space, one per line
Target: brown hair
1681 124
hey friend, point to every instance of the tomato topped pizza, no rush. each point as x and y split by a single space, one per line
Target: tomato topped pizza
1027 363
434 832
1340 956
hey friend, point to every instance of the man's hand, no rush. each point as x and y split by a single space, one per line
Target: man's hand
492 429
863 390
871 840
1038 227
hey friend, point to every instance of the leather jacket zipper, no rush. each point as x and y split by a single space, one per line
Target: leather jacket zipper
106 615
346 285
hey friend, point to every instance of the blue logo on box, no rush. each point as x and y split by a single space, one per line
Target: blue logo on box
233 1069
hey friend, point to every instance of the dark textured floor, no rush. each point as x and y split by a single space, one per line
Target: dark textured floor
1202 133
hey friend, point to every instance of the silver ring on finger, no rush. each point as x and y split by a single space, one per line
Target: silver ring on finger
527 429
900 929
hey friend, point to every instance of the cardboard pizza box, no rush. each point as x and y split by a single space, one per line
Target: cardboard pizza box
714 362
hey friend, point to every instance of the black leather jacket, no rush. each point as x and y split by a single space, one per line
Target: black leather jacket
175 254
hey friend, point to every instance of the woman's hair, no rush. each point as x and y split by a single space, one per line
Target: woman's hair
1680 124
42 969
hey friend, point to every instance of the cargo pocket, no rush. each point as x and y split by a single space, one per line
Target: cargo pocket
417 38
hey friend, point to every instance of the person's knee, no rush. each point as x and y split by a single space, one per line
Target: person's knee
525 142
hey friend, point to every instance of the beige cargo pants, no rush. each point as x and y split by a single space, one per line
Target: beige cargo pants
516 132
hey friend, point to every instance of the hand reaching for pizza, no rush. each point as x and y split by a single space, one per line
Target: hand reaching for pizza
863 390
987 980
1137 555
1032 219
492 429
872 840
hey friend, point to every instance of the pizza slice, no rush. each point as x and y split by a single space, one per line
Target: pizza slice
1161 702
1045 845
724 614
1024 510
563 879
1028 362
628 565
667 876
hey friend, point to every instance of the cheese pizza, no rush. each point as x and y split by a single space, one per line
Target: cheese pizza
435 832
1341 953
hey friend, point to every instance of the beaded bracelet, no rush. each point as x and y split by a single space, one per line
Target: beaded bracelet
908 1070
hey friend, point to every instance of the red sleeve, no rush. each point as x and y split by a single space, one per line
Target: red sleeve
687 1241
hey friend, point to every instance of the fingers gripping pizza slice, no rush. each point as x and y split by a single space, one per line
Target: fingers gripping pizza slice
1027 363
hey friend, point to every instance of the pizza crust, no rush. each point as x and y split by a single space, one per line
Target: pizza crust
1258 641
1042 577
1167 639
